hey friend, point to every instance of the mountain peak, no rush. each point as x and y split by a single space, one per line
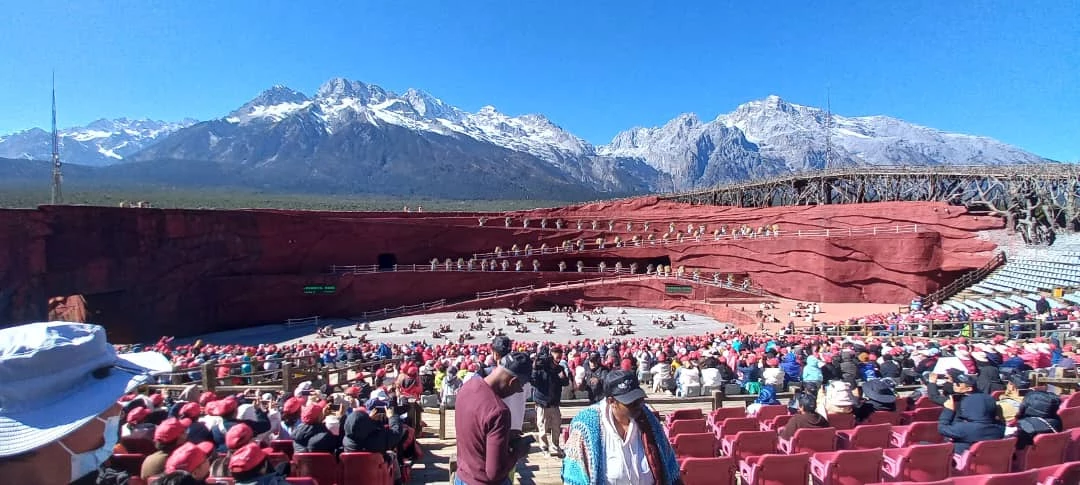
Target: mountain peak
278 94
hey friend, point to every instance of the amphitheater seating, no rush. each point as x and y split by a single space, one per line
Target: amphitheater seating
1063 474
129 462
882 417
848 467
731 426
677 414
918 463
775 424
914 433
698 445
1070 417
921 415
809 440
284 446
745 444
766 413
720 414
681 426
1071 401
984 457
708 471
841 421
365 468
775 469
323 467
1029 477
864 437
1046 450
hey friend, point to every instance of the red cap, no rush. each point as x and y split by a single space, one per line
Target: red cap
313 413
157 400
239 435
189 456
170 430
353 391
222 407
191 410
246 458
206 398
137 415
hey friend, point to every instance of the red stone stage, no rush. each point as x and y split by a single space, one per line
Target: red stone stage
151 272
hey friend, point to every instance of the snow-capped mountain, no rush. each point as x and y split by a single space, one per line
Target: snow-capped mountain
102 142
772 136
364 124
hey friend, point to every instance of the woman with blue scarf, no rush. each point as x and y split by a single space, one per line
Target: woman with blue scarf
618 440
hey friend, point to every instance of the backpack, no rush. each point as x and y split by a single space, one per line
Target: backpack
753 387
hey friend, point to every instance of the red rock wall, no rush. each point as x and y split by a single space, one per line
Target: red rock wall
148 272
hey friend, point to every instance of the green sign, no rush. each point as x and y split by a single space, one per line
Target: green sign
679 289
320 289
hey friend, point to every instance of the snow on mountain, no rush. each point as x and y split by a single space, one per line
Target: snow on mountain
784 136
340 101
102 142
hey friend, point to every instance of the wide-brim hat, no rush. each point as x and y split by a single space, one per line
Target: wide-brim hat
55 377
879 390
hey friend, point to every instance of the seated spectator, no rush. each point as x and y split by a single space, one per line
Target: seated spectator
687 376
249 466
237 437
811 372
1038 414
889 368
178 478
290 417
136 426
168 436
710 374
312 436
836 398
989 379
663 379
878 395
1009 401
772 379
379 429
807 416
969 416
792 369
192 458
223 415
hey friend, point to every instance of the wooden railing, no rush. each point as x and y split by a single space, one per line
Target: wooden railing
939 328
968 279
292 372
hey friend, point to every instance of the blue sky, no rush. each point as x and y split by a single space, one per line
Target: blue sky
1005 69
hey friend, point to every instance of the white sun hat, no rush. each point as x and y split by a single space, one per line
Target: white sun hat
57 376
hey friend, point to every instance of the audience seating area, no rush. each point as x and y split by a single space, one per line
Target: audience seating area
306 468
1023 280
727 447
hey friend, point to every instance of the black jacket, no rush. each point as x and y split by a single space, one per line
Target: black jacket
361 433
849 369
868 407
890 369
314 438
989 379
975 420
548 379
1038 415
594 383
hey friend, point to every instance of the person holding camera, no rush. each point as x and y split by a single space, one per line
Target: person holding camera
378 430
969 416
548 379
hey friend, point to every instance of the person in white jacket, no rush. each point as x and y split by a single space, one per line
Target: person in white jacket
689 376
662 374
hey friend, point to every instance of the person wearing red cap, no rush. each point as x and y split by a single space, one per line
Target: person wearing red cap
223 417
248 465
192 458
168 436
312 435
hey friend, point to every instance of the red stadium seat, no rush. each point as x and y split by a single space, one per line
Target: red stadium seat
809 440
136 480
276 457
1046 450
775 469
913 434
1071 401
697 445
984 457
918 463
731 426
678 414
1063 474
770 411
680 426
921 415
749 443
365 468
720 414
708 471
1070 418
302 480
880 417
1072 453
841 421
323 467
775 424
864 437
847 467
138 446
284 446
1028 477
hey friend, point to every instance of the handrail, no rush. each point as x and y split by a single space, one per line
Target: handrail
967 279
687 239
300 321
943 328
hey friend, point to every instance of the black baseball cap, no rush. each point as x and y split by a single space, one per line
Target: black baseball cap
623 386
518 364
961 377
501 345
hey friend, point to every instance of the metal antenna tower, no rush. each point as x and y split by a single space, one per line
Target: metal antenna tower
828 128
57 176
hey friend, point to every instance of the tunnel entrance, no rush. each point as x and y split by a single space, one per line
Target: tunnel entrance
663 260
387 261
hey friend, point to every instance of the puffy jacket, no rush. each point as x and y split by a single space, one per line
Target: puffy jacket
849 370
989 379
361 433
791 368
975 420
314 438
1038 414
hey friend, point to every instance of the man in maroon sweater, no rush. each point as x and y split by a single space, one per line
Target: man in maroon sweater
485 451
